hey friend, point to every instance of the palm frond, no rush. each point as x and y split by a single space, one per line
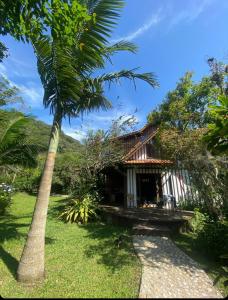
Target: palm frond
91 41
120 46
108 51
12 128
115 77
15 148
58 75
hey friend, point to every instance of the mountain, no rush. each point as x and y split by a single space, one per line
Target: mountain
39 131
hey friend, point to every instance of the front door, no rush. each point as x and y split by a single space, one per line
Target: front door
148 188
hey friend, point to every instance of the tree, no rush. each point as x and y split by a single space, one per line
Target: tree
186 107
27 20
32 19
69 90
182 119
3 51
8 94
217 135
101 151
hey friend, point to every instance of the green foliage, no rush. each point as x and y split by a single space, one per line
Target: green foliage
65 178
197 223
101 151
15 148
217 135
80 210
8 93
186 107
5 198
75 254
27 180
182 119
3 51
39 133
29 19
210 236
213 239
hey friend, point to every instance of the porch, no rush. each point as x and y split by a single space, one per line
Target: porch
146 183
151 220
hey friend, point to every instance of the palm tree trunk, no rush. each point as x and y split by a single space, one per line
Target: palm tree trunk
31 266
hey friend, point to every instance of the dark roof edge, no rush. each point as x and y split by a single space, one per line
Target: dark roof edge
135 132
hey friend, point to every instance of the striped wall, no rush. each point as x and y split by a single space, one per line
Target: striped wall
174 182
140 154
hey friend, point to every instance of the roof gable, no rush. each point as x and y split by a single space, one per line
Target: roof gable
143 140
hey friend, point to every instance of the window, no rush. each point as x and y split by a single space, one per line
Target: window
152 151
149 150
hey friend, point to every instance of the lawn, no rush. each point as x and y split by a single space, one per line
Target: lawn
81 261
185 241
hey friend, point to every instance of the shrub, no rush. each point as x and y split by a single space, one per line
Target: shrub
5 198
198 222
80 210
28 180
210 236
213 239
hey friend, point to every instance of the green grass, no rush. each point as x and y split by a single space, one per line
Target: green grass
185 241
81 261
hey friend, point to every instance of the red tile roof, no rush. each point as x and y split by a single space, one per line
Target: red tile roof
149 161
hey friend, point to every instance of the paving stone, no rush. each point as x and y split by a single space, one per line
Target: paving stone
168 272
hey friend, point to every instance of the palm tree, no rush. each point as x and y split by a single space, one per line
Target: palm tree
70 89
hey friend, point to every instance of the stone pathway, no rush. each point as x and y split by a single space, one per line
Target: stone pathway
168 272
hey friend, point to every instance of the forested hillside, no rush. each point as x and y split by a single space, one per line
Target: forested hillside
38 132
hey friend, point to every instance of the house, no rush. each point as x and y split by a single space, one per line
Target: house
144 179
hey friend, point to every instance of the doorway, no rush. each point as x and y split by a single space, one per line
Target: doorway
149 188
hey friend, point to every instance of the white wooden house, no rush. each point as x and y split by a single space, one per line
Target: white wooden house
145 179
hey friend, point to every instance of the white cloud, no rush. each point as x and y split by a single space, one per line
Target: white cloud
190 13
75 133
154 20
33 94
171 16
3 70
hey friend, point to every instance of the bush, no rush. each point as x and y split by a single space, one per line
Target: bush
5 198
80 210
213 239
210 236
28 180
198 222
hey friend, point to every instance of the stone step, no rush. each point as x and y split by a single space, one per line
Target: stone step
147 229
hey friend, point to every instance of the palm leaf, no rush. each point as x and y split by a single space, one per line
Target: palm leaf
120 46
15 149
115 77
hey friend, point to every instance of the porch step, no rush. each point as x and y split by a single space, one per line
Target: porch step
147 229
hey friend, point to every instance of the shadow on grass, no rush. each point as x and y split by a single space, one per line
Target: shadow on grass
55 210
114 248
10 261
9 230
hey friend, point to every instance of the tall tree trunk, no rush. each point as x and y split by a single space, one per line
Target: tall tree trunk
31 266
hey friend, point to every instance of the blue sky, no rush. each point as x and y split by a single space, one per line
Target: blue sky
173 37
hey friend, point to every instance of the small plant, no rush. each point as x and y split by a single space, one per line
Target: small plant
198 222
5 197
80 210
